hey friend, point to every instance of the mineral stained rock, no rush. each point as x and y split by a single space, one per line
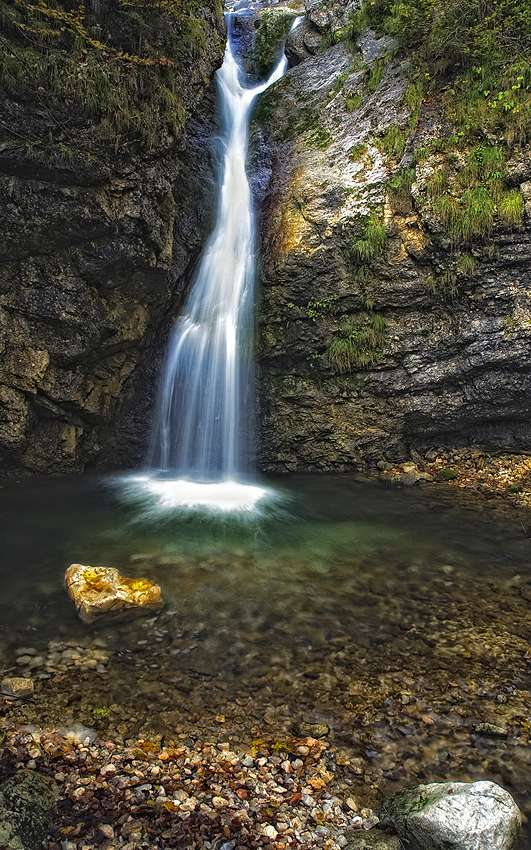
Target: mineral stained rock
101 592
453 816
16 687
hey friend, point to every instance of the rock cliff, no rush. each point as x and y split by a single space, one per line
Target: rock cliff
395 279
100 226
383 325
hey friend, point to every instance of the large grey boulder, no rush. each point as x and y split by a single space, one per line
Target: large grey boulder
26 801
453 816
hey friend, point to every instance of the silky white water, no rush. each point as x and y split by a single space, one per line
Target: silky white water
200 446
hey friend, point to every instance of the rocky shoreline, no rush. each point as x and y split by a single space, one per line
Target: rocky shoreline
502 474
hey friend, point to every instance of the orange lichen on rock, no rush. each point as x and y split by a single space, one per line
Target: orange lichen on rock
102 592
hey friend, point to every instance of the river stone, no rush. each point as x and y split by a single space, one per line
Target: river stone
26 801
372 840
101 592
453 816
314 730
402 479
13 686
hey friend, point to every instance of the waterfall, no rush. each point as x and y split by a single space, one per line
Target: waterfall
200 450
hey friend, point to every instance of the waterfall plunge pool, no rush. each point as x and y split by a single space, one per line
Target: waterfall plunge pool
161 495
397 618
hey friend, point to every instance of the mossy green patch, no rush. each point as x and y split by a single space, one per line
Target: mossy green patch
446 474
393 143
269 39
353 102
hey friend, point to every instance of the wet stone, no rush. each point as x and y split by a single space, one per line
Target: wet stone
490 730
16 687
101 592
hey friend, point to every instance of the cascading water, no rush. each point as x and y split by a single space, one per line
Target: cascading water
199 450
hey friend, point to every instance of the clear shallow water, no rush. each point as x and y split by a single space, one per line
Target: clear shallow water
335 531
400 618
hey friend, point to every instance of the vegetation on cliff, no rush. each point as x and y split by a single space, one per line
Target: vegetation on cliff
476 54
120 63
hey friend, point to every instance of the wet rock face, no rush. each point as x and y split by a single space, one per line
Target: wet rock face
453 815
94 259
450 364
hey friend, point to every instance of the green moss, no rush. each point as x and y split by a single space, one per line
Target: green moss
358 63
269 39
446 474
358 151
413 96
268 102
393 143
319 138
308 122
353 102
376 73
340 80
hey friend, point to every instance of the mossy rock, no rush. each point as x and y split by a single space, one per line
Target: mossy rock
26 801
446 474
453 816
274 25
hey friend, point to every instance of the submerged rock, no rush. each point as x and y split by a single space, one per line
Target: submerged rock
14 686
102 592
372 840
26 801
453 816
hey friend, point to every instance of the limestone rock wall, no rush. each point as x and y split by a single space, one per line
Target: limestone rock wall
95 256
454 364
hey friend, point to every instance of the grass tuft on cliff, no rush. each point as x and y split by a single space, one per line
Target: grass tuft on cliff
360 342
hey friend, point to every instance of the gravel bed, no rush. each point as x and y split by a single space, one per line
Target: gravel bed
146 794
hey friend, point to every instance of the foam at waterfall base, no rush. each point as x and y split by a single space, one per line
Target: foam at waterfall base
171 495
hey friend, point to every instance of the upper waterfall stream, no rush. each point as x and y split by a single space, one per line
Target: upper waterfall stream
202 428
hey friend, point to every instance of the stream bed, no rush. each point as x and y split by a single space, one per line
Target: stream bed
389 622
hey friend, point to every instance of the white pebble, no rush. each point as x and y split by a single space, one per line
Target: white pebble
107 830
269 830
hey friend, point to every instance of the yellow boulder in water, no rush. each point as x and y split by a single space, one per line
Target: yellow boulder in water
101 592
